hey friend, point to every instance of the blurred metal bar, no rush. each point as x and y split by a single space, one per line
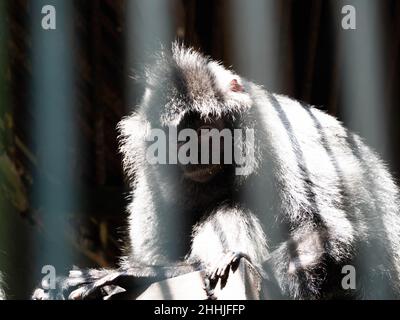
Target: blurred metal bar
149 29
364 104
255 28
314 30
4 161
53 98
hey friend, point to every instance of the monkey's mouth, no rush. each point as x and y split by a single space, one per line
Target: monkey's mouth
201 173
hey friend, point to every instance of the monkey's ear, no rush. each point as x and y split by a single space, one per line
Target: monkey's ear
235 86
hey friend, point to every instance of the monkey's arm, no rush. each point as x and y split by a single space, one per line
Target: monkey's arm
296 269
300 266
88 284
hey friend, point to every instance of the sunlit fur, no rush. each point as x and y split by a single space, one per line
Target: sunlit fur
317 197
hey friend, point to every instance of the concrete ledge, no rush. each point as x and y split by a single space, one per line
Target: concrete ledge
243 284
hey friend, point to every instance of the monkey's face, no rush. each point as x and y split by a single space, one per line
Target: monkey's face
209 149
187 91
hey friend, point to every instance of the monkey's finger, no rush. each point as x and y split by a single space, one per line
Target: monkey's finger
85 292
214 274
236 257
77 294
40 294
217 271
225 265
220 266
221 269
239 256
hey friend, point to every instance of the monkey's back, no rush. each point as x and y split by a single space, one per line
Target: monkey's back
329 172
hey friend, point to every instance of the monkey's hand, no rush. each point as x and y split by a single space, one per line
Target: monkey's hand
230 261
80 284
103 284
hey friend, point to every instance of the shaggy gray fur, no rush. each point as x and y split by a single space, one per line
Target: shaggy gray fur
317 198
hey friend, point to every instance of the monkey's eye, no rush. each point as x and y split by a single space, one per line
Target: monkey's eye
235 86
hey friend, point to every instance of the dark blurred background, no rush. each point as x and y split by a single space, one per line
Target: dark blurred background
109 41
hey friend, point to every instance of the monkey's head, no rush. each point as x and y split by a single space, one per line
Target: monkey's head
192 94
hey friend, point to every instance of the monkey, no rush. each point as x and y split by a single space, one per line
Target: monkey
314 198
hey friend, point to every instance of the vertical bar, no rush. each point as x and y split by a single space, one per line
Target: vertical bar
53 94
364 108
255 56
4 210
254 26
364 104
149 28
314 29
